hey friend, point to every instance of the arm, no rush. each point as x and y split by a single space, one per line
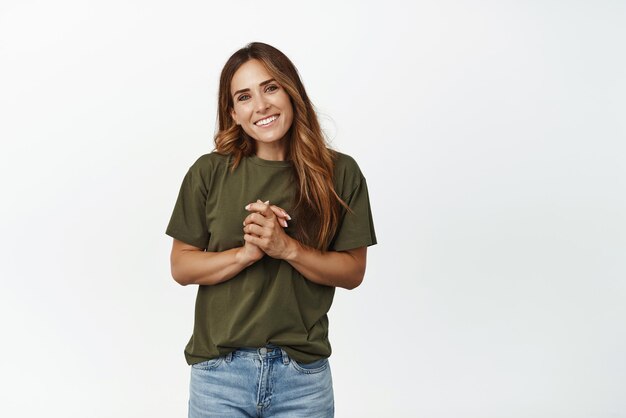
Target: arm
193 265
332 268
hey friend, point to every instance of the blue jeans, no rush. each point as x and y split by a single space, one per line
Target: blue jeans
260 382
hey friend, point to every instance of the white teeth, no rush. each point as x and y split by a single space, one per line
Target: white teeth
266 121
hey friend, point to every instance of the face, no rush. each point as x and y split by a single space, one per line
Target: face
261 106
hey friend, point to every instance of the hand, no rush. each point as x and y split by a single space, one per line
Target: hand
280 213
262 229
250 253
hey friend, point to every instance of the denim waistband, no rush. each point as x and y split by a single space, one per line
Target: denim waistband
269 351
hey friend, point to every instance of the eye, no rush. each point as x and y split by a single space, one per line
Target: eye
241 98
271 87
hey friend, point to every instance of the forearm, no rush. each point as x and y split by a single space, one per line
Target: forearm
332 268
207 268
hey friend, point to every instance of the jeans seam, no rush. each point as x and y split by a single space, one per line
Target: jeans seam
309 371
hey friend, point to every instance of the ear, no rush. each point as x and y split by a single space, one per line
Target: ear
233 115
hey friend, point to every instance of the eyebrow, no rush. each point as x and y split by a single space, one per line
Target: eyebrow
260 84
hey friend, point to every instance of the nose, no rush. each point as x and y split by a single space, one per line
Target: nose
261 104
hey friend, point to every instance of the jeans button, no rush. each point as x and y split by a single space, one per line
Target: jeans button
263 351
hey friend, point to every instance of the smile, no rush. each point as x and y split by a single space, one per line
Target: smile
267 121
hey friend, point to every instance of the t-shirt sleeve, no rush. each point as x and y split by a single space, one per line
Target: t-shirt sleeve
188 220
356 229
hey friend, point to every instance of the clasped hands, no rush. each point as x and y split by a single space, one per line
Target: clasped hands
263 232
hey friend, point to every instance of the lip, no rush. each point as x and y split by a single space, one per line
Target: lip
265 117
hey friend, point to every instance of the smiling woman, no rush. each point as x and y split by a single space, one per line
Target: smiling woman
267 226
262 108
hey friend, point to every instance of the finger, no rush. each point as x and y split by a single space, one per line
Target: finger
250 220
267 211
279 216
257 218
262 208
280 212
252 239
253 229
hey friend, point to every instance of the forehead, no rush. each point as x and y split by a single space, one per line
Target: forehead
249 75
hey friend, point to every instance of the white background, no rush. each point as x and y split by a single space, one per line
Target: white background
492 136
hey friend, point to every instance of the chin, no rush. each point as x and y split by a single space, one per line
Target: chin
268 140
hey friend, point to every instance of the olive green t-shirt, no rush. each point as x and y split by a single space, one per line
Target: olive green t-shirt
269 302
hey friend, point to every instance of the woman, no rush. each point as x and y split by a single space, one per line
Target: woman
267 225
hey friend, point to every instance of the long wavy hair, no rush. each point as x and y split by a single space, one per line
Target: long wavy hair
316 200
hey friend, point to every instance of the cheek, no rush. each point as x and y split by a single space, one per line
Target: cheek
289 118
241 113
291 115
248 129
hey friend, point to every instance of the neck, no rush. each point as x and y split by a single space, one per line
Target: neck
272 152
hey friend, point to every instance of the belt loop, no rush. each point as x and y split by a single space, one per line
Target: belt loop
285 356
229 357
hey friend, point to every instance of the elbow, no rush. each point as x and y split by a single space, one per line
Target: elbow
356 280
358 263
178 276
181 281
354 283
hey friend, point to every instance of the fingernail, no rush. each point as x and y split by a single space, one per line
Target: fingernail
248 206
283 223
267 202
287 216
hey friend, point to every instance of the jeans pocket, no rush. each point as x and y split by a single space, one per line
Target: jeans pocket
208 364
310 368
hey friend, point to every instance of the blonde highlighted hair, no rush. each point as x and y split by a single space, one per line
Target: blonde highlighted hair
312 160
